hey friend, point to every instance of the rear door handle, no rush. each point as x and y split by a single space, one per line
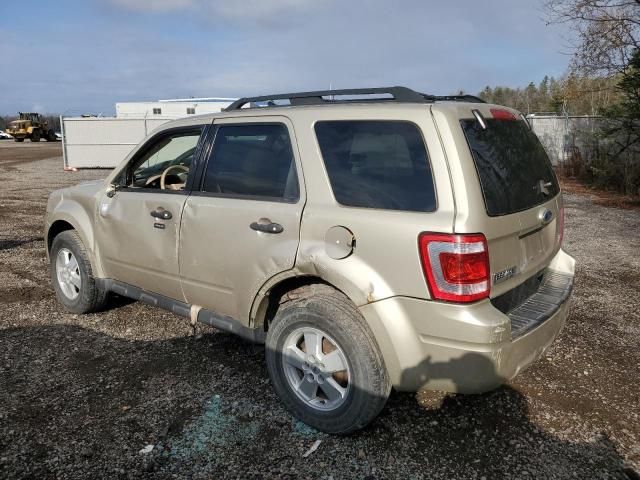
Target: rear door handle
161 213
267 226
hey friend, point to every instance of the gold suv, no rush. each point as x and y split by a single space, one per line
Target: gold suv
370 238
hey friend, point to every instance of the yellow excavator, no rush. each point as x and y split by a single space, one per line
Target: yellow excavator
32 126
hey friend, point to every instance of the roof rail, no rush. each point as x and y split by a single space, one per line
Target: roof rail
398 94
318 97
459 98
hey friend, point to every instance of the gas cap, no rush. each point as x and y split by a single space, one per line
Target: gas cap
339 242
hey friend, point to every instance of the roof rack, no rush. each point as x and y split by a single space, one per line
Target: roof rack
459 98
320 97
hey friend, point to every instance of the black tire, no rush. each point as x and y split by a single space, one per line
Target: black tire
324 308
51 136
90 296
19 140
35 136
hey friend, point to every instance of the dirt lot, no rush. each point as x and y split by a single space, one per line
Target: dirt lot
80 396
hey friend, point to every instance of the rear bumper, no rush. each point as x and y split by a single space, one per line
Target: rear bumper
463 348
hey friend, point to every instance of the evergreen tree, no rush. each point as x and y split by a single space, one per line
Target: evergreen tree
623 118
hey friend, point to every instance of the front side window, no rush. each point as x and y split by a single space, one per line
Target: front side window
377 164
170 155
252 160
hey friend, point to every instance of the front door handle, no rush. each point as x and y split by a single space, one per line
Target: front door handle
267 226
161 213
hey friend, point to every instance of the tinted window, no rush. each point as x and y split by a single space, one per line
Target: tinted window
514 170
377 164
252 160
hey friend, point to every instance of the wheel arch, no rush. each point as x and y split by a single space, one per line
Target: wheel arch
56 229
71 217
268 298
266 301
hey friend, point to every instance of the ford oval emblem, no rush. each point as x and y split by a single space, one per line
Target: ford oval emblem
545 216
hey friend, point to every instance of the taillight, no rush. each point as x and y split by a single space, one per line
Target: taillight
560 225
456 266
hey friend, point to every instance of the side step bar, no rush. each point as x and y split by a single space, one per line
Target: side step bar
213 319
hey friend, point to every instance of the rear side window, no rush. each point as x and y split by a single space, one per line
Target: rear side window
252 160
377 164
514 170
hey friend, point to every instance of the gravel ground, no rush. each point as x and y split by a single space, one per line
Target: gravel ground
81 396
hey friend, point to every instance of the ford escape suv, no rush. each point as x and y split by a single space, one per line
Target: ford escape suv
370 238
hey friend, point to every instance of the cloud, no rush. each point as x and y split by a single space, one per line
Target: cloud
187 48
267 11
153 6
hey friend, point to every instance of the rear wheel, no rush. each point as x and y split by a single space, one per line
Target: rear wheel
324 362
51 136
19 139
72 276
35 136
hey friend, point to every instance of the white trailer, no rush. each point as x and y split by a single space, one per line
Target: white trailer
174 108
103 142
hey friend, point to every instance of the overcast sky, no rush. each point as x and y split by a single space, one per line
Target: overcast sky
75 56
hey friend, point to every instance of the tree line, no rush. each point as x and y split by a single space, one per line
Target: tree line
607 48
570 94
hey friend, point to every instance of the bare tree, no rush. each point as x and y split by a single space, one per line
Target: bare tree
606 71
606 32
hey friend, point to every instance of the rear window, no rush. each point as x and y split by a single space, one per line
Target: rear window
513 167
377 164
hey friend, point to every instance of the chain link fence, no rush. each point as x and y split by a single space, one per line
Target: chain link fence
578 147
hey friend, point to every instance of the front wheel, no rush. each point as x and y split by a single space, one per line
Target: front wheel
35 136
72 276
324 362
19 139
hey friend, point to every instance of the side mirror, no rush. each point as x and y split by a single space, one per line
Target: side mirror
112 189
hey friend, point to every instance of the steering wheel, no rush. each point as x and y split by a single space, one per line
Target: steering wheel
167 170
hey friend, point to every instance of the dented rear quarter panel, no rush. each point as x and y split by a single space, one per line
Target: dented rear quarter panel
385 260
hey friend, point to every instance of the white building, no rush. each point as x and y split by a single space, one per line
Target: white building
173 108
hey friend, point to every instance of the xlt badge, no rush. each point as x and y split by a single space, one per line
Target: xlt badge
504 275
